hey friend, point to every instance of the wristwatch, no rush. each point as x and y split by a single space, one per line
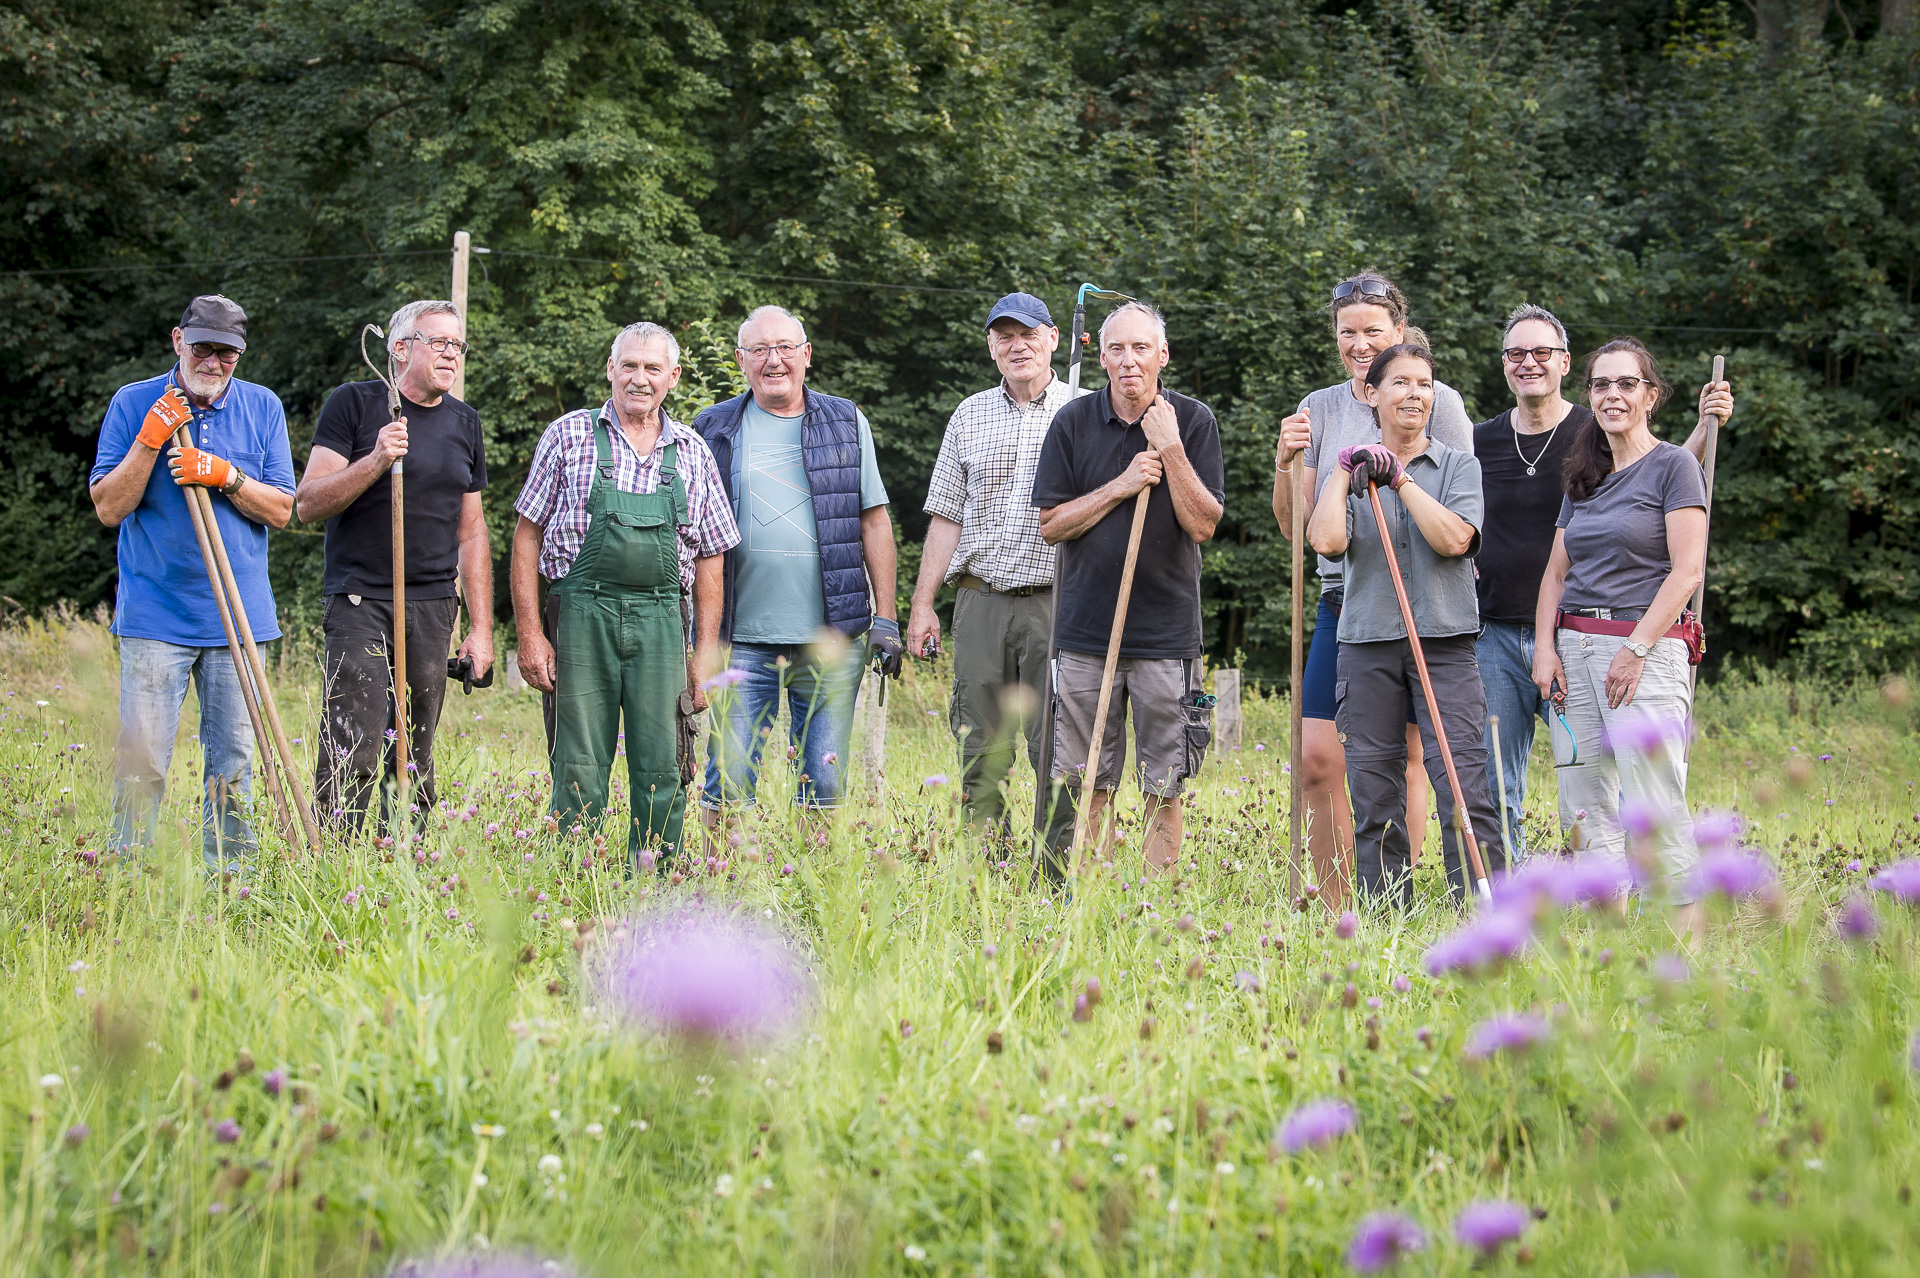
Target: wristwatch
232 486
1639 650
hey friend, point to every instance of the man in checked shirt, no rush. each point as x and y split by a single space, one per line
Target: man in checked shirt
623 512
985 540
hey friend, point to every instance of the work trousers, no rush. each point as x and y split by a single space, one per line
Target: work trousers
1376 680
999 678
153 687
356 722
1636 755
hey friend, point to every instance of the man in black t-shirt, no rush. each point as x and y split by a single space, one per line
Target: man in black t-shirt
347 484
1099 452
1523 453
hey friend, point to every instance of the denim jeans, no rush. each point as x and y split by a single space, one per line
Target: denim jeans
1506 668
153 686
820 696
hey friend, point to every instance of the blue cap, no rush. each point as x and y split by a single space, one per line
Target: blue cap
1025 307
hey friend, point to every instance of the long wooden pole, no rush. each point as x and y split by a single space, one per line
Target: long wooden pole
269 710
1461 818
1091 775
462 246
1713 448
1296 786
1043 791
242 674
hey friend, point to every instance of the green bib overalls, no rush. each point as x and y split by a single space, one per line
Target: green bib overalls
620 646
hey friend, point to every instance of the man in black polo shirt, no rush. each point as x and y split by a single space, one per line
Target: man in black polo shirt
1099 452
1522 454
347 484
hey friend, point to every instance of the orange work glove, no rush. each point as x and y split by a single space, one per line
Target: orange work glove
169 413
192 466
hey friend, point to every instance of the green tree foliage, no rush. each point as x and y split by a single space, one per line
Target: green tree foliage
1727 179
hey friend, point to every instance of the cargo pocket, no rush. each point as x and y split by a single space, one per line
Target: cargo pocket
1340 710
1196 714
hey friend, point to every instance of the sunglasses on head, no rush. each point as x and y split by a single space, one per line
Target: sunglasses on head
1370 287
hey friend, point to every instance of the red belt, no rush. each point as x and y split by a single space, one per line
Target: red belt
1687 630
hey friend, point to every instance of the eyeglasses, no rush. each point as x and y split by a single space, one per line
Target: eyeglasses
441 345
202 351
1371 287
786 350
1625 385
1541 354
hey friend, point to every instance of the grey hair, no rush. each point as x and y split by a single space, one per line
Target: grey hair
646 330
1137 308
400 327
1521 314
766 312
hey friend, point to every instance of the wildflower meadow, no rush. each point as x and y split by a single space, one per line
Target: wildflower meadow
493 1051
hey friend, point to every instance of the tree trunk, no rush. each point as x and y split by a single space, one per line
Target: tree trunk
1896 16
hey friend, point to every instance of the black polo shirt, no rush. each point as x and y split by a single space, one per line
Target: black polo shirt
1086 446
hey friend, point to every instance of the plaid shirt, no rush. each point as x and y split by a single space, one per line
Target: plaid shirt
555 495
983 481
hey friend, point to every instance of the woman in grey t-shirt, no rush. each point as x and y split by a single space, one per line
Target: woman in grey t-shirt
1631 548
1369 315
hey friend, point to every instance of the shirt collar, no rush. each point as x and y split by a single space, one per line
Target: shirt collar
669 429
1113 414
1046 391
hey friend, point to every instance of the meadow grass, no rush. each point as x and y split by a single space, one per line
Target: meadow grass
448 1079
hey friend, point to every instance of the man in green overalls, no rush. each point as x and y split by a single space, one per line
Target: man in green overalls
624 513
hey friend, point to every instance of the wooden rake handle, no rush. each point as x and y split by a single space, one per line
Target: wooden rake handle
1088 777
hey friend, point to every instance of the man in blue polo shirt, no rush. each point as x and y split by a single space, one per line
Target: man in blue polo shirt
164 612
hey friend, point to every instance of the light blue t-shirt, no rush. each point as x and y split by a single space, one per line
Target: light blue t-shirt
778 596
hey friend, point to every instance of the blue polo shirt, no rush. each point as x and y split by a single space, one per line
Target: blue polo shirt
164 593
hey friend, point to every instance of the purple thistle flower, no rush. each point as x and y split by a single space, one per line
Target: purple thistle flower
1901 879
1671 968
1636 731
1593 878
1856 920
1506 1034
1315 1123
491 1266
1713 829
938 778
1913 1052
1381 1240
1401 985
1486 942
1489 1225
77 1135
1639 819
1247 981
226 1131
1732 872
1526 886
705 973
1853 866
1349 924
725 679
274 1080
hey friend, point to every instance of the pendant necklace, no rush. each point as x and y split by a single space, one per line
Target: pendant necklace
1530 465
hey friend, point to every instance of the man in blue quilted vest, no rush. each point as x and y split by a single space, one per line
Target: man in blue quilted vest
810 587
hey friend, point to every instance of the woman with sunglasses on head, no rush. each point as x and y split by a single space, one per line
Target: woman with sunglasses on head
1369 315
1631 548
1430 497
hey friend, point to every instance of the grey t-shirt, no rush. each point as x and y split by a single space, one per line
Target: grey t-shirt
1340 420
1617 538
1440 587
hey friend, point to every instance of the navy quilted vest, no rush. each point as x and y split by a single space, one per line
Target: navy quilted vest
830 450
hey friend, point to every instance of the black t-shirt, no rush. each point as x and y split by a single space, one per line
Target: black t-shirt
1521 508
445 461
1086 446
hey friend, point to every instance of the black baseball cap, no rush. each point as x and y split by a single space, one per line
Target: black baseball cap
214 318
1025 307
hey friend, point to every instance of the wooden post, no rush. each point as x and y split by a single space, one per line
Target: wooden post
1296 734
1226 721
462 246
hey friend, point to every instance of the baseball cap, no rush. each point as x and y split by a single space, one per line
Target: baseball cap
213 318
1024 307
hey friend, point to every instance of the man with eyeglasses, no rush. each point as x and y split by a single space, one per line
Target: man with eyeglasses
984 540
348 485
164 611
809 591
1523 453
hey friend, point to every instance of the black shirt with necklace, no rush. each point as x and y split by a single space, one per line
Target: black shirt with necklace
1521 477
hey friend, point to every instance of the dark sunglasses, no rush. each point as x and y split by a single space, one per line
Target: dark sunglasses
1541 354
1371 287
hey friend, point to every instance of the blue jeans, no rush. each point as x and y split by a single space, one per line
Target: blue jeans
1505 652
153 686
819 704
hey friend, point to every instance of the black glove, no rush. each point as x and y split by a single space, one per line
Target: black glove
888 648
